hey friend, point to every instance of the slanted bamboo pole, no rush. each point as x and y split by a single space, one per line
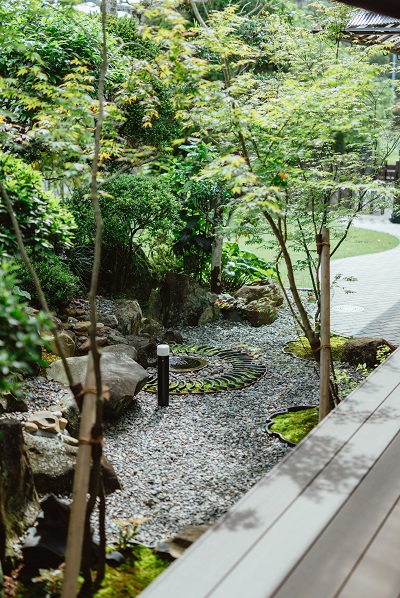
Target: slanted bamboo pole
81 484
325 362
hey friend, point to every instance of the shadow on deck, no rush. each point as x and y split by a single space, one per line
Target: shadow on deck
324 523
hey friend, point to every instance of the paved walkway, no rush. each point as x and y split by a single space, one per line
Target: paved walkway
373 306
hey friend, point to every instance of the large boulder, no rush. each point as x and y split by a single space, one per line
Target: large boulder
154 310
368 350
122 375
19 503
129 316
183 300
126 350
53 465
253 292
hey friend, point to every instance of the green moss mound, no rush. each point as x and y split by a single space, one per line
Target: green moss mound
295 425
140 568
301 347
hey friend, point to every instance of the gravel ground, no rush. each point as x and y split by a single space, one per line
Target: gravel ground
188 463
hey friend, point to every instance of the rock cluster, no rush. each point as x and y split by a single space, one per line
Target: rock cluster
256 303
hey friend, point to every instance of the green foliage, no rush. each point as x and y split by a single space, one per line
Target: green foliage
162 127
44 221
301 347
192 246
243 267
295 425
136 209
140 568
53 39
20 342
59 284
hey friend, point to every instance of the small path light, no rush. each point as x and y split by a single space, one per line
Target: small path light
163 375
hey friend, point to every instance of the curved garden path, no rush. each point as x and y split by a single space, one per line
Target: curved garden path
376 290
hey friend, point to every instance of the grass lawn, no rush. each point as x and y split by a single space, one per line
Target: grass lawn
360 241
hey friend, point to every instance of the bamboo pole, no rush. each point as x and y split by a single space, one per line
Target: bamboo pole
324 366
81 484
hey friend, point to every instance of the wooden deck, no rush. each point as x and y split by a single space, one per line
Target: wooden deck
325 523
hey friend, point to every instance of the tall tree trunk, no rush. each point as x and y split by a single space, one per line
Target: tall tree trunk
216 258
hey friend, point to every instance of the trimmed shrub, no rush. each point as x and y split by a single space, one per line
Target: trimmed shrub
59 284
137 210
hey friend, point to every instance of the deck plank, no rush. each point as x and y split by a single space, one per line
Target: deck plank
378 573
349 533
279 550
222 550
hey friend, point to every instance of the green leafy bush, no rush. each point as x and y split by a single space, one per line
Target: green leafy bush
44 220
20 342
138 212
59 284
242 267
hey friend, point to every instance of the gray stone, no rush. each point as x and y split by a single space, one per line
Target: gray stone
176 546
122 375
67 343
83 328
130 352
53 465
109 320
129 316
19 503
152 327
10 404
260 312
154 309
357 351
114 336
210 314
183 300
173 336
100 341
70 411
146 348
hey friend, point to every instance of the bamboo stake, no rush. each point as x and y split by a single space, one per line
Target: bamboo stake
324 367
81 484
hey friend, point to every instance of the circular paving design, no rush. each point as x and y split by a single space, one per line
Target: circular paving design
348 308
237 370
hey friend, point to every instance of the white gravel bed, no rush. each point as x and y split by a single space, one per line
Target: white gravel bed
189 463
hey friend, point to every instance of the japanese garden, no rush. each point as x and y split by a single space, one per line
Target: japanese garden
177 180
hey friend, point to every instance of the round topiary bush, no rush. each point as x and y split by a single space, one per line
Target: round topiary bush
59 284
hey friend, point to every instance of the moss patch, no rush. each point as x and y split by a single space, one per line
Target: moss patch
294 425
47 359
138 571
301 347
